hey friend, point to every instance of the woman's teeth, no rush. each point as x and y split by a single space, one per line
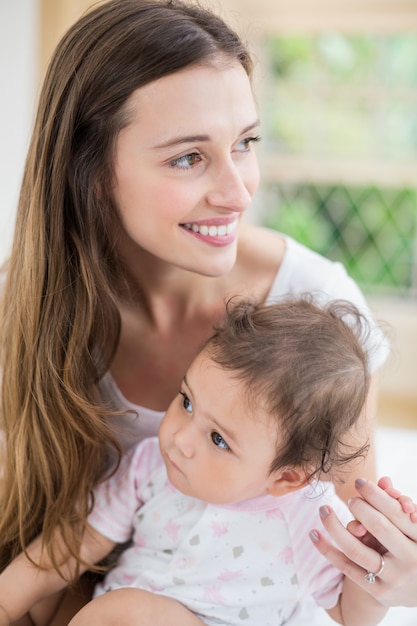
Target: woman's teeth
212 231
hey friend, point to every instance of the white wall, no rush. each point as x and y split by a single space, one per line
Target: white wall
398 403
18 84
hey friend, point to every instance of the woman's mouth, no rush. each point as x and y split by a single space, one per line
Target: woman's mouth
211 230
214 234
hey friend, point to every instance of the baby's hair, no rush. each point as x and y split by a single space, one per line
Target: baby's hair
306 366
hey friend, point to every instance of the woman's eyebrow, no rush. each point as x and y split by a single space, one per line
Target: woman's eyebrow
183 139
175 141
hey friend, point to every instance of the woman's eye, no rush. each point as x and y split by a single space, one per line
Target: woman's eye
186 402
187 161
219 441
244 145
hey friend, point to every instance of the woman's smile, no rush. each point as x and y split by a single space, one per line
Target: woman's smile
217 232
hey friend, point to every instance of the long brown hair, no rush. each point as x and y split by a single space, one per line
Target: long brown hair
60 322
306 366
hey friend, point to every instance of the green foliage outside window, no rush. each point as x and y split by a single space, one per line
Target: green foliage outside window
354 225
340 96
349 99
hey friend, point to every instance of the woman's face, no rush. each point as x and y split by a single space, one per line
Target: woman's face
185 166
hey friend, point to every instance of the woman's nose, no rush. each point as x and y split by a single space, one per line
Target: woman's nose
229 189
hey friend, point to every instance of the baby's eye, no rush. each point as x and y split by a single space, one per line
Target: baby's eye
187 161
244 145
219 441
186 402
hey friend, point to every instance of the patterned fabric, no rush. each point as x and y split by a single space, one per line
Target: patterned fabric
248 564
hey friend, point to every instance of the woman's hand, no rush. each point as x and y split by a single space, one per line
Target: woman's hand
407 505
385 524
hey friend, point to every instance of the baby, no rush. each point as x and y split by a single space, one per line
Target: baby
219 508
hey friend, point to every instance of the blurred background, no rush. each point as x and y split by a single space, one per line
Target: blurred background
336 82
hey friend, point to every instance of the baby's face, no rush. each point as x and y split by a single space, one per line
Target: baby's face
215 448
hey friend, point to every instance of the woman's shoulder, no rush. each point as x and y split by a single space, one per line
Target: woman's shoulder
292 269
261 246
260 255
289 267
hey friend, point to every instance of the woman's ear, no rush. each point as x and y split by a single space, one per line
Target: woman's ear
284 481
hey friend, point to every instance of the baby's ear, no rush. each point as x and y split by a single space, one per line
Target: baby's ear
286 480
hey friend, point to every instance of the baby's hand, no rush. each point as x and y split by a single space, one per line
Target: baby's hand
358 530
407 504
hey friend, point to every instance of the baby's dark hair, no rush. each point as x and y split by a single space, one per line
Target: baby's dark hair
306 366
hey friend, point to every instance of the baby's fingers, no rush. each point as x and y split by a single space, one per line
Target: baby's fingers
407 503
384 514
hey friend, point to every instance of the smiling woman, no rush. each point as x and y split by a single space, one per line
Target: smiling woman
171 180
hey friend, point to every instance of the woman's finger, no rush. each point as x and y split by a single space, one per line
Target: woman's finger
389 509
348 567
387 532
395 586
365 558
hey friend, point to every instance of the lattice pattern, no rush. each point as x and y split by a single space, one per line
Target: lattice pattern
371 231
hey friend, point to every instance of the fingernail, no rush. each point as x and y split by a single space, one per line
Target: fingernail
314 536
324 512
359 482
